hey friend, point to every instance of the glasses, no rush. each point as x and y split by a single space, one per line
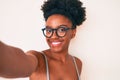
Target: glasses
60 31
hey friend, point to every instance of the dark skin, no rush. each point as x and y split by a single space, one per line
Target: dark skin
58 56
61 66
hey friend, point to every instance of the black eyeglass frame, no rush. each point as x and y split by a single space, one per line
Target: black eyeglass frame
56 29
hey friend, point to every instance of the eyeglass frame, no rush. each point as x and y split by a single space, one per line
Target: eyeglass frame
56 31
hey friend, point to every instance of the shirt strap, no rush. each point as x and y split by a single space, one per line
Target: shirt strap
76 67
47 69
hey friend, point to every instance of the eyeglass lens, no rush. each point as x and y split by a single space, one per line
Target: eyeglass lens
60 32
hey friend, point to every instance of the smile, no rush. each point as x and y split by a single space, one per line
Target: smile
56 43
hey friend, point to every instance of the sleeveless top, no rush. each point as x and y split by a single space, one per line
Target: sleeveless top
47 69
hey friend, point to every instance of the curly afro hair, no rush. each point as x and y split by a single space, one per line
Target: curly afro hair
72 9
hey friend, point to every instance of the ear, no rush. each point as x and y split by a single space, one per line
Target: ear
73 33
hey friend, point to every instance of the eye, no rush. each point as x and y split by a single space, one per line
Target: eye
61 29
48 30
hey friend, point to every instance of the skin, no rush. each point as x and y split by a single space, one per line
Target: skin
61 66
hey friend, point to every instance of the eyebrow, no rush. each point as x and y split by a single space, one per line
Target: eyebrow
57 26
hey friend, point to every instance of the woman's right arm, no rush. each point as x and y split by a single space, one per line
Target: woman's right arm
15 63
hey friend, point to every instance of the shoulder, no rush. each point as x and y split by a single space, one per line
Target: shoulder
38 56
78 61
34 53
31 52
79 64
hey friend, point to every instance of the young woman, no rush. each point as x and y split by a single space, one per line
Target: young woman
62 17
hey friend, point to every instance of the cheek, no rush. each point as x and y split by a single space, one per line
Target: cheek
68 38
47 40
69 35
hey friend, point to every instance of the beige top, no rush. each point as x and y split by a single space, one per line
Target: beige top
47 69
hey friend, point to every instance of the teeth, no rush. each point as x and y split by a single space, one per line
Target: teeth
55 43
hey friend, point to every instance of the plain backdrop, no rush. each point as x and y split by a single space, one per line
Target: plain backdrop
97 42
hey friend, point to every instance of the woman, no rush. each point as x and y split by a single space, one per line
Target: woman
62 17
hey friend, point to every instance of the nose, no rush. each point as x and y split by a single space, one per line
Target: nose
54 34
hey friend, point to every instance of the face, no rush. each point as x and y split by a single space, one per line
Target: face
59 44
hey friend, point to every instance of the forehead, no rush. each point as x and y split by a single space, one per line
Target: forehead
57 20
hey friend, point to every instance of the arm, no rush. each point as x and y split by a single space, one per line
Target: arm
15 63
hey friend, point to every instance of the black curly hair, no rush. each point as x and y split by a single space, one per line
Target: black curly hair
72 9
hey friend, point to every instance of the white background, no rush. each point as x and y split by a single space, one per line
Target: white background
97 42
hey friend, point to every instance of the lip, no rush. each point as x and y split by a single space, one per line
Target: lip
56 43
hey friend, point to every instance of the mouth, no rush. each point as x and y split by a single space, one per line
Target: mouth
56 43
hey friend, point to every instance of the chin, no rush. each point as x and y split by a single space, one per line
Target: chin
56 50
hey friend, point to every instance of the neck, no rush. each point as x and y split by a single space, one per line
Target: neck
60 56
